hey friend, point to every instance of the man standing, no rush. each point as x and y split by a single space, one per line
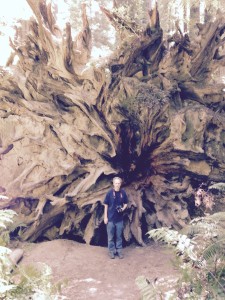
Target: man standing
115 203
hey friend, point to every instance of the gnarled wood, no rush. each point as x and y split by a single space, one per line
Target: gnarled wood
66 129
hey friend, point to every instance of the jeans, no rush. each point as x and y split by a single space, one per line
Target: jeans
115 230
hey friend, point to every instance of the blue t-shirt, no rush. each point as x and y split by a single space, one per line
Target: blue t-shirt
114 199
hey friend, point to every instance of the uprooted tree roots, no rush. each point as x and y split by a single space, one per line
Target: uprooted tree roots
152 115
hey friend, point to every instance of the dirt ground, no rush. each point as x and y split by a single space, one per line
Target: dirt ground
91 274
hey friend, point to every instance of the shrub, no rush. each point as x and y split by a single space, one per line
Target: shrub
200 257
19 283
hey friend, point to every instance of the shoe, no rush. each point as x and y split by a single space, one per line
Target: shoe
120 255
111 255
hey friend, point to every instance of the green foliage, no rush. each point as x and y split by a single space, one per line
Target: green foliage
133 19
156 290
35 283
148 289
6 219
133 16
146 100
180 242
19 283
200 256
220 186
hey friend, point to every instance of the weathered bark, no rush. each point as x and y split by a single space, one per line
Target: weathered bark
67 128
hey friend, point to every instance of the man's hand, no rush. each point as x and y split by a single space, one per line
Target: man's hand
106 214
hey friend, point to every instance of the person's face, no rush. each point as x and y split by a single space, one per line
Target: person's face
116 184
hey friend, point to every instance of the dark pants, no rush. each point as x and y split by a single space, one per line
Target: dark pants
114 231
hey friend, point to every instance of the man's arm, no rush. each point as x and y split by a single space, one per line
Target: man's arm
124 206
105 213
125 201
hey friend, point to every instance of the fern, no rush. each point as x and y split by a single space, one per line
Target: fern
156 290
219 219
215 250
22 283
6 217
181 243
217 186
147 289
209 229
200 252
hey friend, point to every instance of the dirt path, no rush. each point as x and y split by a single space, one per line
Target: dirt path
92 274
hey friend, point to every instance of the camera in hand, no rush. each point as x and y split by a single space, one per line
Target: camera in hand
119 209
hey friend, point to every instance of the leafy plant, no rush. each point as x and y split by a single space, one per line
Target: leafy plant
157 289
147 288
217 186
19 283
6 218
200 257
145 101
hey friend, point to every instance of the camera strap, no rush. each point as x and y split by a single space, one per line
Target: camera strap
121 197
114 194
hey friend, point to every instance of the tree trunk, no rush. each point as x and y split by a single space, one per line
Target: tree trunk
152 115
